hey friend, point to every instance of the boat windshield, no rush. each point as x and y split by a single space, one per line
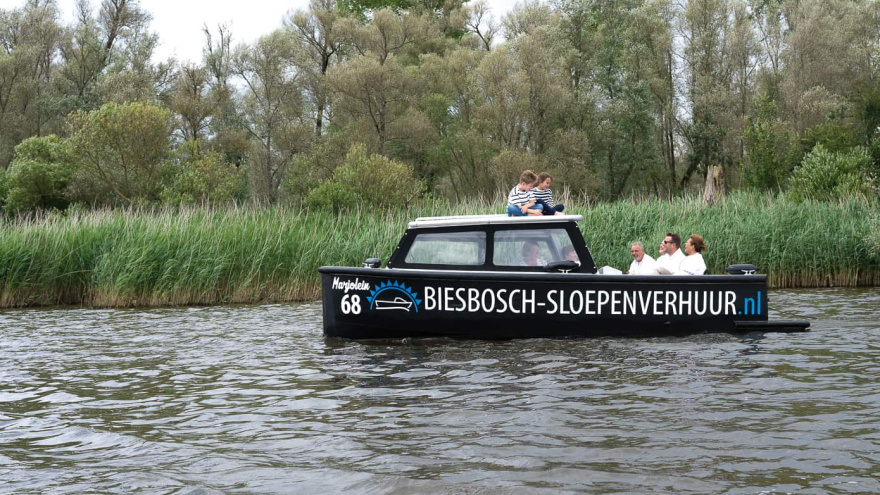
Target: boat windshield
534 247
448 248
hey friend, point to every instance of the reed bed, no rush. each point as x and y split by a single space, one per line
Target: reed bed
252 254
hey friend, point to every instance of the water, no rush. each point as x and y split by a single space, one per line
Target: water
255 400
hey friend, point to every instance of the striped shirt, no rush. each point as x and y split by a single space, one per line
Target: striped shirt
546 196
519 198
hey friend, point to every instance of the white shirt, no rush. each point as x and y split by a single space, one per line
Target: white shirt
645 267
670 263
692 265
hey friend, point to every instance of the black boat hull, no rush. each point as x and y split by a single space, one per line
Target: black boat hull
491 305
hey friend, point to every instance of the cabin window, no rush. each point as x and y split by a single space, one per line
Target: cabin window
451 248
532 247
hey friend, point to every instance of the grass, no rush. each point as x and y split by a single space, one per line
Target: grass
254 254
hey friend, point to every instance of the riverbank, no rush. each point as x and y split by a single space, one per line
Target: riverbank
252 254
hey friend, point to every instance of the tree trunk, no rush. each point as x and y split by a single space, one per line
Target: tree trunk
714 186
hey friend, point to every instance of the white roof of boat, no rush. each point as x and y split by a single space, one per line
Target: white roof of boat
455 221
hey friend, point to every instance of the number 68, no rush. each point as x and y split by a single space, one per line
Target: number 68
351 304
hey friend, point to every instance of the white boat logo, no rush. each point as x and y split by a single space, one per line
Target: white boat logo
397 303
404 298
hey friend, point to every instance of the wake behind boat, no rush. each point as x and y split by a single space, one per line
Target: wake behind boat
467 277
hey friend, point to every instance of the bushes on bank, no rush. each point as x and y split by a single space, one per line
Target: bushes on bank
201 177
39 175
825 175
128 155
371 180
331 196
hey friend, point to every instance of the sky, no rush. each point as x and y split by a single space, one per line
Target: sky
179 22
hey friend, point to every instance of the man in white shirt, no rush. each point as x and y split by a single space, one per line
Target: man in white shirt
662 251
671 263
642 263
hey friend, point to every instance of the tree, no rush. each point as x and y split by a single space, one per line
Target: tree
719 58
270 110
120 151
29 39
768 162
323 32
375 88
190 100
99 40
226 127
481 23
828 51
652 27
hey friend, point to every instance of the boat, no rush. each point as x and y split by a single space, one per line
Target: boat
499 277
397 303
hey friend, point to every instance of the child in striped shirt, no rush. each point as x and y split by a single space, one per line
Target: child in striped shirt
520 201
544 196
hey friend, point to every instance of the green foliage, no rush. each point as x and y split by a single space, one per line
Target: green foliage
768 161
202 178
331 196
873 236
835 135
829 176
121 149
615 97
309 170
867 105
39 175
375 180
50 149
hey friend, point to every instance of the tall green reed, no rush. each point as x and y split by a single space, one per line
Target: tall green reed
255 254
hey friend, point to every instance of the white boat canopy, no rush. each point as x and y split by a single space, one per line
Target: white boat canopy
455 221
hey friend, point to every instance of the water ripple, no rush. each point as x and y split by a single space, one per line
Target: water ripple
256 400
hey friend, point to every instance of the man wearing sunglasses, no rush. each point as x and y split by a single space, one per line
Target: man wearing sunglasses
670 262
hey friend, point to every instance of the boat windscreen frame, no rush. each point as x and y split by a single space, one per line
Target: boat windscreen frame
398 257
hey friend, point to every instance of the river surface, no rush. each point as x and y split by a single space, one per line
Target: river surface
254 399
